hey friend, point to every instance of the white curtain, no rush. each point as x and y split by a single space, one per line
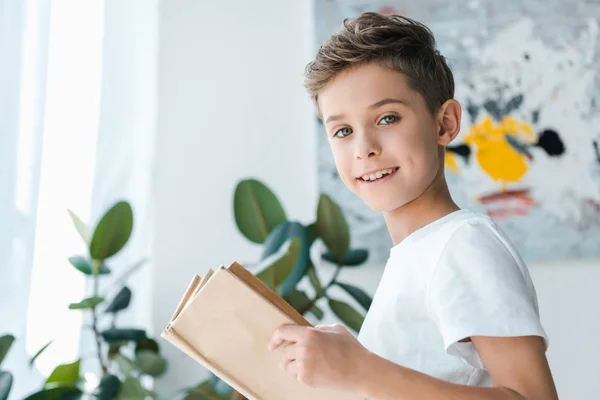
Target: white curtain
77 123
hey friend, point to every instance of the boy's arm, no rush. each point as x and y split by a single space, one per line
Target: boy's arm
332 357
517 365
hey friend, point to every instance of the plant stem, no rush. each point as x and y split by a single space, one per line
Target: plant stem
96 269
323 293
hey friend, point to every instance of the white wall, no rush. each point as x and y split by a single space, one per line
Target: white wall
231 105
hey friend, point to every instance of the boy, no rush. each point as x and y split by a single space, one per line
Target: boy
455 315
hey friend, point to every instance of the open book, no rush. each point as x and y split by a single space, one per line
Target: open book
225 321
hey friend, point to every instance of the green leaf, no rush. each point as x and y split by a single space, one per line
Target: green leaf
112 232
6 380
131 389
317 312
150 363
85 265
147 344
295 271
332 227
126 365
347 314
108 388
257 210
84 304
5 342
351 259
121 301
204 391
314 280
116 335
82 228
358 294
297 299
283 263
39 353
313 234
66 374
58 392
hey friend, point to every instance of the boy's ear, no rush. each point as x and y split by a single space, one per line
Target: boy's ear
449 121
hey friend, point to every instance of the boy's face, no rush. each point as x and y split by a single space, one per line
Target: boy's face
384 140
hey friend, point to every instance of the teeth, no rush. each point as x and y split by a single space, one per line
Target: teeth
377 175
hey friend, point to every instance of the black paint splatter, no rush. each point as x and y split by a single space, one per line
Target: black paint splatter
535 116
597 150
494 109
462 150
513 104
550 141
526 56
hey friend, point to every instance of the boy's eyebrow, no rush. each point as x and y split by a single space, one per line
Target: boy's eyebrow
388 101
381 103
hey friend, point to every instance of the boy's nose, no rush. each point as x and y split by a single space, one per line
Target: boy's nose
367 147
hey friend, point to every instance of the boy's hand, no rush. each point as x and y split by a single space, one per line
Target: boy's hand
325 356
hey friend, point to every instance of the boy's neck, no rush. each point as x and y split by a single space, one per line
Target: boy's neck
432 205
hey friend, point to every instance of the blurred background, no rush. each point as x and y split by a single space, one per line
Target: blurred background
134 134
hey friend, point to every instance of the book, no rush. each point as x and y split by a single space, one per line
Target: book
225 321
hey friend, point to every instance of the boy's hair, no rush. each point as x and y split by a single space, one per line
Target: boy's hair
396 42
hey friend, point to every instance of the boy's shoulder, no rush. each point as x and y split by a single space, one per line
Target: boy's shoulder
461 233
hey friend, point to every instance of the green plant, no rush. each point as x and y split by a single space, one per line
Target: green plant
286 256
124 354
6 378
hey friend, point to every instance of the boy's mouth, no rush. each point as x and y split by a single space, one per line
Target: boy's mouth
379 175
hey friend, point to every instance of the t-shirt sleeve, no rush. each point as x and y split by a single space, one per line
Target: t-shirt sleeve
481 288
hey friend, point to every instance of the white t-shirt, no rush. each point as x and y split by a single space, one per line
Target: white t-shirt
454 278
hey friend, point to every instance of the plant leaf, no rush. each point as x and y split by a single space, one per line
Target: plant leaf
121 301
85 265
347 314
82 228
108 388
131 389
352 258
6 380
126 365
357 294
112 232
284 263
116 335
313 233
39 352
150 363
332 227
84 304
314 280
5 342
297 299
147 344
317 312
257 210
204 391
66 374
57 392
292 271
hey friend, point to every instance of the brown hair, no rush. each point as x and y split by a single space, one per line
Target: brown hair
397 42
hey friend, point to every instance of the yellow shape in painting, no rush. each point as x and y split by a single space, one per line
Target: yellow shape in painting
493 152
451 163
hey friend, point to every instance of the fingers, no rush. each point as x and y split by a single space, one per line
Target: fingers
286 333
331 328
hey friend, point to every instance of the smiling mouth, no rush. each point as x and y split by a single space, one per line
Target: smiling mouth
379 175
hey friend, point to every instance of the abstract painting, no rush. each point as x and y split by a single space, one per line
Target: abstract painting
527 75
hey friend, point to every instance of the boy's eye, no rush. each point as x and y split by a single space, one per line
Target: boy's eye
342 133
389 119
